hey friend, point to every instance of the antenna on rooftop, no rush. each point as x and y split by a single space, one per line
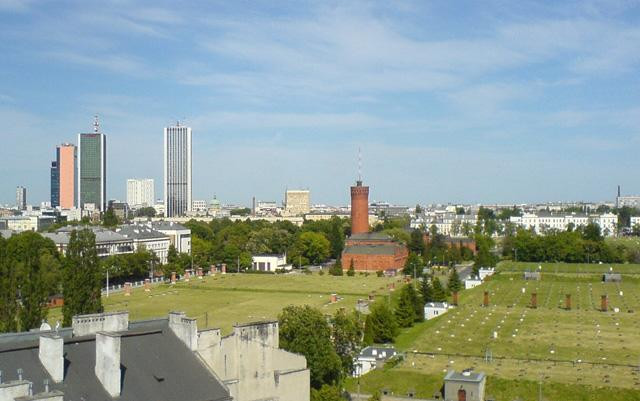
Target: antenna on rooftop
96 124
359 166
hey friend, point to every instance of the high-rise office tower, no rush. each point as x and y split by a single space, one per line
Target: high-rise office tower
63 177
177 170
92 169
21 198
140 192
55 183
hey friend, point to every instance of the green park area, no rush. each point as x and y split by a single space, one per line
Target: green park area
581 353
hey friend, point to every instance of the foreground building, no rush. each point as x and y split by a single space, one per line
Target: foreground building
144 236
108 243
270 263
106 357
177 171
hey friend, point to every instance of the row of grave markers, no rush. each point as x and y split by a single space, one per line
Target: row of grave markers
604 301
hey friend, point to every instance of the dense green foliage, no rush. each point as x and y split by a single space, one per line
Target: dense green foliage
146 212
581 245
347 335
304 330
110 219
381 323
29 268
82 276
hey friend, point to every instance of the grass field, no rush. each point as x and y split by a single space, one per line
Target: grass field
578 354
222 300
581 346
579 268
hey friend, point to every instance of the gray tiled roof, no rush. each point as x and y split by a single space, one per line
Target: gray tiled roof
370 236
385 249
63 235
167 225
156 366
368 352
139 231
458 376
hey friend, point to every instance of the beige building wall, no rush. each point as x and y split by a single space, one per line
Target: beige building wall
251 365
67 176
297 202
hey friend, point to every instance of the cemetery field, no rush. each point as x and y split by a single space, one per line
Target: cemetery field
579 268
510 340
223 300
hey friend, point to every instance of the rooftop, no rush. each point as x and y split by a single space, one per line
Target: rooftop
140 231
382 249
370 236
466 376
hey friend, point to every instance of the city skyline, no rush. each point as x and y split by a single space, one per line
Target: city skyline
505 103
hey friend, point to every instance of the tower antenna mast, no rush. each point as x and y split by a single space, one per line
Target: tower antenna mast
359 165
96 124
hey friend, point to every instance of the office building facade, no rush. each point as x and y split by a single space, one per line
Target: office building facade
297 202
92 170
177 170
21 198
63 177
140 192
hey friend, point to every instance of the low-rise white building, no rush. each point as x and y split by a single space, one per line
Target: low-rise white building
371 358
270 263
485 272
108 243
472 282
435 309
179 235
543 221
145 236
26 223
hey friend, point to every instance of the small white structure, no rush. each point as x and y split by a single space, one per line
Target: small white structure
270 263
485 272
472 282
370 358
435 309
468 386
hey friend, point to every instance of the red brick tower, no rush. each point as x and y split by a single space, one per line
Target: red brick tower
359 209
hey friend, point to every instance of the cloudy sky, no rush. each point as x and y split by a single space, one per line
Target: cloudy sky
450 101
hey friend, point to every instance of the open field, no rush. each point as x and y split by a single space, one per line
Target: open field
223 300
581 346
579 268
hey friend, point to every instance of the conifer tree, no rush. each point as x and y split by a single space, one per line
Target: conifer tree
426 290
405 311
455 284
352 271
83 277
439 294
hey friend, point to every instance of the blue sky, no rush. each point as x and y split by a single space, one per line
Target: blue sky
492 101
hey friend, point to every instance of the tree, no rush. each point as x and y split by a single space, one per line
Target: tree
454 284
110 219
82 276
352 271
417 302
29 255
336 269
367 336
346 334
405 311
8 292
426 290
382 323
484 258
326 393
336 237
413 265
439 294
310 247
304 330
416 242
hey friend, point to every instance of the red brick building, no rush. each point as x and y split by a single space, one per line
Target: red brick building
461 242
371 252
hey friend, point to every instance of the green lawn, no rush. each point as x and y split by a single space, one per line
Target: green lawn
582 268
223 300
578 346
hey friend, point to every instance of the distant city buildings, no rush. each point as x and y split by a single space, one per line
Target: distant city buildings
297 202
543 221
63 177
177 171
92 163
630 201
140 192
21 198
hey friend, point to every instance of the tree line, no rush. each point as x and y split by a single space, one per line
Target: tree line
32 269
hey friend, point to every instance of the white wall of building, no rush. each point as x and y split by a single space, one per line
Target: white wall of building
608 222
140 192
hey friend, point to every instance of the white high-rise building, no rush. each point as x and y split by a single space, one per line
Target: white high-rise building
140 192
21 198
177 170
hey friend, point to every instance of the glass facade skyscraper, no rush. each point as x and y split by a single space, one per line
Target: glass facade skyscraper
92 163
55 182
177 170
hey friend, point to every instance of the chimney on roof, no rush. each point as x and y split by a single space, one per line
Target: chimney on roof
107 367
184 328
51 356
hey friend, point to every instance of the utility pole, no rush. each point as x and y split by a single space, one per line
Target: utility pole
107 282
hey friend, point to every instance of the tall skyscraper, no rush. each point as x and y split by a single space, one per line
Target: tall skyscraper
63 177
140 192
92 171
55 183
21 198
177 170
